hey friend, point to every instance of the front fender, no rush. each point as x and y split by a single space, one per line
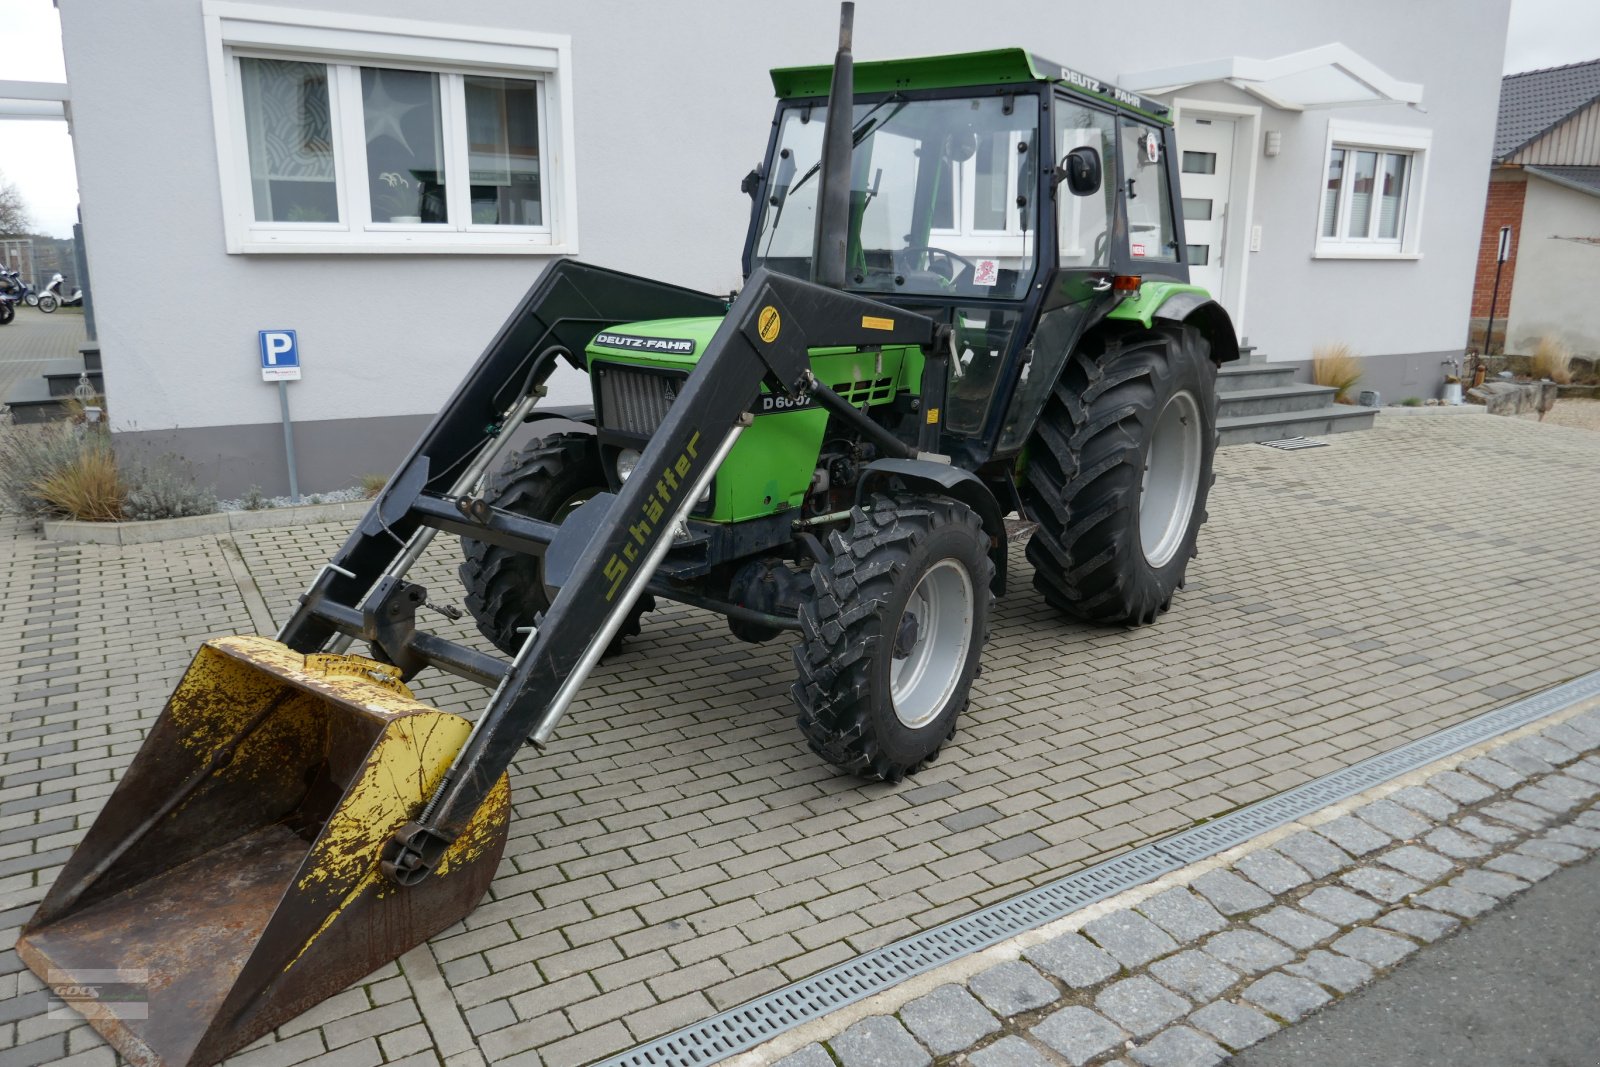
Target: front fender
945 480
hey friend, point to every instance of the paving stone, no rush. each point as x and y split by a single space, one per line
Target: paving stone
1588 771
1140 1005
1552 752
1455 901
1391 887
1073 960
1230 894
1425 802
1576 836
1489 883
1179 1047
1319 856
1286 996
1419 922
1374 947
1524 867
1523 762
1517 813
1183 915
1248 951
1491 832
1393 820
1339 906
878 1041
1343 974
1078 1034
1012 988
1271 872
1194 974
1574 737
1460 788
1130 937
1235 1025
1496 774
1009 1051
1418 862
1554 851
1294 927
1589 819
1455 844
1353 835
1574 787
948 1020
1543 796
813 1055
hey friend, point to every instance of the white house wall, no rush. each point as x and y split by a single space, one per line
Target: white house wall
672 106
1557 268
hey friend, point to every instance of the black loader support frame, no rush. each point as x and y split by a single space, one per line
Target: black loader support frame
608 549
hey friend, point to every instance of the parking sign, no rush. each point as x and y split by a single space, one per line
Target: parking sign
280 356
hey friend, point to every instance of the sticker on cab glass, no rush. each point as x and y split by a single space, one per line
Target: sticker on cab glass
1138 250
985 272
1152 147
769 324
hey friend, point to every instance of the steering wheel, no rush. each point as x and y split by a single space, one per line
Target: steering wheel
904 257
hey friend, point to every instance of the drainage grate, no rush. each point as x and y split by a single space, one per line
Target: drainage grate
1294 444
750 1024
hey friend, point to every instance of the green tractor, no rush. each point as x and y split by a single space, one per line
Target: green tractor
1026 212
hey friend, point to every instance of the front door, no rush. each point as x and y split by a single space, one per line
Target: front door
1206 165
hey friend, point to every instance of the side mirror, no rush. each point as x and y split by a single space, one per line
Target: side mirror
1080 169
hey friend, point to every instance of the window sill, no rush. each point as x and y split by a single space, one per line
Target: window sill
404 242
1363 254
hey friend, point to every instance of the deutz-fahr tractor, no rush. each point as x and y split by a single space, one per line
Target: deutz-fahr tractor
966 296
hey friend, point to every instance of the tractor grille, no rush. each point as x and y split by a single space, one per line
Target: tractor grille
635 401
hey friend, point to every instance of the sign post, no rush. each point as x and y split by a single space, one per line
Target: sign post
280 363
1502 253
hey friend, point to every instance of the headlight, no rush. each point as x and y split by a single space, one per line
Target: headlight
627 459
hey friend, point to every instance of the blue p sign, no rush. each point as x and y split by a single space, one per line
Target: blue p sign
280 356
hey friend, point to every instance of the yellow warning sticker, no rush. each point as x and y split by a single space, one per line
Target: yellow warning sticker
869 322
933 416
769 324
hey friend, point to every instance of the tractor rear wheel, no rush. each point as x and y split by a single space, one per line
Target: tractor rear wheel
890 643
1119 468
546 480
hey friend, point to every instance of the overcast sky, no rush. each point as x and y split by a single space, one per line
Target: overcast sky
37 156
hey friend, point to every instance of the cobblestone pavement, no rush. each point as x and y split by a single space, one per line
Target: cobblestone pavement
1225 954
34 339
678 850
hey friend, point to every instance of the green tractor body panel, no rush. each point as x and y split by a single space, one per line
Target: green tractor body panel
971 69
1141 306
770 469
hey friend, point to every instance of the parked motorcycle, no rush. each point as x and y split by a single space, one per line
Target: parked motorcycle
10 292
53 297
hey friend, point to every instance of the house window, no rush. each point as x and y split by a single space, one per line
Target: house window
1371 198
344 134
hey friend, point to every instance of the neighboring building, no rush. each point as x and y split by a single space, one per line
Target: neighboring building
1545 186
388 183
17 254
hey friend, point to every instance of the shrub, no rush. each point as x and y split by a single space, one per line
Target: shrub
1553 360
1411 402
28 456
372 484
1336 365
88 487
166 489
255 500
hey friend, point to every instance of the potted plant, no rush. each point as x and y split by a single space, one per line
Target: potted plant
399 200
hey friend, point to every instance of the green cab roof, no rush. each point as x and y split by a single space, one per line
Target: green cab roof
997 67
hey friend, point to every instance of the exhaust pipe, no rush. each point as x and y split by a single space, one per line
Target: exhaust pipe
830 248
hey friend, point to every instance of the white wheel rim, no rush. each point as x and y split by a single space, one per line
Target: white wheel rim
923 676
1171 479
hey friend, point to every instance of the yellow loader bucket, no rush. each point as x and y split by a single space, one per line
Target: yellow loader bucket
234 871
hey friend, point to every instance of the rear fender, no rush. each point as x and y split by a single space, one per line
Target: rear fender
944 480
1207 316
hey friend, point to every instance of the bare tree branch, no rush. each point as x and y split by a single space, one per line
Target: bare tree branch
14 218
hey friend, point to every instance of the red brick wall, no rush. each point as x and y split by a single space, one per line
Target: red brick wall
1503 208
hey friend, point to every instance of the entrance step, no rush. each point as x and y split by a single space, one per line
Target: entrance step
1335 418
30 402
1241 375
1274 399
1259 401
63 375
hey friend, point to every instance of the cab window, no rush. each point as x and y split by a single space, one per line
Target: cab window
1083 221
1144 184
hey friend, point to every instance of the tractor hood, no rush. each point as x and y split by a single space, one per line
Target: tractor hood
659 341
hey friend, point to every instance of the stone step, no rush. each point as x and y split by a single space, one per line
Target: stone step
1335 418
1234 376
30 402
90 351
63 374
1273 400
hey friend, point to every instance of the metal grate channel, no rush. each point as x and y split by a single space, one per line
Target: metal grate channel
750 1024
1294 444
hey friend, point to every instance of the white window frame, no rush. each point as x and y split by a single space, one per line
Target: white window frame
1412 141
344 43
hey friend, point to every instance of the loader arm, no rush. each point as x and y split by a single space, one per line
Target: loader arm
608 549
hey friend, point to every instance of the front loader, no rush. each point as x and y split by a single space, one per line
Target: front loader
966 295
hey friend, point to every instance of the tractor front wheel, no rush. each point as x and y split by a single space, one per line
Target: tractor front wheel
1119 467
547 480
890 643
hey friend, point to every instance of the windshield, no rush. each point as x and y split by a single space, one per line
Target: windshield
941 196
